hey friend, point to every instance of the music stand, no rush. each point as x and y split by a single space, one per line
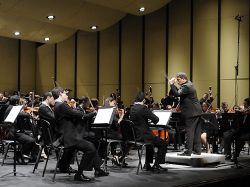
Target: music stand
10 120
103 120
164 118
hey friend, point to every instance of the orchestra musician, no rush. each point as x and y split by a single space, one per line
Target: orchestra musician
72 139
190 111
244 129
29 146
140 114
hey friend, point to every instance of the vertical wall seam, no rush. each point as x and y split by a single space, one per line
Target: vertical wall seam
98 64
167 45
191 38
19 66
143 54
75 64
219 53
120 57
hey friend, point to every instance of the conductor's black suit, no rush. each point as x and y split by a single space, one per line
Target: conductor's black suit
191 112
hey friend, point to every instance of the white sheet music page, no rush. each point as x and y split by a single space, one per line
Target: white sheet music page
104 116
13 114
163 116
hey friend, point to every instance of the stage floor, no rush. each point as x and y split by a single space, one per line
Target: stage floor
177 175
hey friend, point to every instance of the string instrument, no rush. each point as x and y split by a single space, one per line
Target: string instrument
160 134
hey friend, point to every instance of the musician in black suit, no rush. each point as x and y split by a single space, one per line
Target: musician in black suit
45 112
190 111
67 127
19 132
140 114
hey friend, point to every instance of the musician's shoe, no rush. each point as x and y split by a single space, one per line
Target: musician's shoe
69 170
82 178
101 173
196 153
158 168
148 167
228 157
184 154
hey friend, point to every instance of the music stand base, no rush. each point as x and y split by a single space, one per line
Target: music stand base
15 174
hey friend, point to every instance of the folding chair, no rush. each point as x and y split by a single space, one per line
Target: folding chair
129 136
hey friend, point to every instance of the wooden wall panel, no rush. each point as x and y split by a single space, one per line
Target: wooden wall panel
155 53
45 68
131 58
27 66
87 64
179 37
229 33
8 64
205 46
109 61
66 64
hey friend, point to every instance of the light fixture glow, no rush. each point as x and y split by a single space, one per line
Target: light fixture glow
93 27
17 33
142 9
50 17
46 39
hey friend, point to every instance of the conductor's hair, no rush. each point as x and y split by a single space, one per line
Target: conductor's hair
140 97
182 75
56 91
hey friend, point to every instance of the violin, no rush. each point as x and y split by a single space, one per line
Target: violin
89 109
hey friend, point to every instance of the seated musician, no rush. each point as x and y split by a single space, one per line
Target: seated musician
170 101
140 114
209 127
29 146
72 139
244 129
207 97
114 130
45 112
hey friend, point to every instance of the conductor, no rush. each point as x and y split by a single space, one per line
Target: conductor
190 112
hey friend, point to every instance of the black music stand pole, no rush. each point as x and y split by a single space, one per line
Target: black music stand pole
239 19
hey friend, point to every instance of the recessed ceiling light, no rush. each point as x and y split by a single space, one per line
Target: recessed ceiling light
50 17
17 33
142 9
93 27
46 39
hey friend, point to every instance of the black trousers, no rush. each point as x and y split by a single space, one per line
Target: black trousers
89 159
228 137
162 149
193 135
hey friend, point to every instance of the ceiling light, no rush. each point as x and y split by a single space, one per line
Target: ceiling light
17 33
142 9
93 27
50 17
46 39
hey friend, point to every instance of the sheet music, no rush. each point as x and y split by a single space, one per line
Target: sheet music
104 116
163 115
13 114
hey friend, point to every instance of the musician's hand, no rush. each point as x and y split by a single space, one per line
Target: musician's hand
172 80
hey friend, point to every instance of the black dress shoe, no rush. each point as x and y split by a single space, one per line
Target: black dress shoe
195 153
69 170
148 167
82 178
158 168
184 154
228 157
101 173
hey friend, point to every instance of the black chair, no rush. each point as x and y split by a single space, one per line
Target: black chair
47 143
129 137
8 142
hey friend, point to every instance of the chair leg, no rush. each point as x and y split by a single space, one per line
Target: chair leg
57 163
5 153
38 158
45 165
139 164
